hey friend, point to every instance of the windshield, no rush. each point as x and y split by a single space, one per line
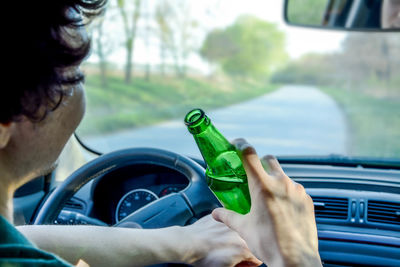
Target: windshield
287 90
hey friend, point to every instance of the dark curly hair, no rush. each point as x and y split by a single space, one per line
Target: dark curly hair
42 40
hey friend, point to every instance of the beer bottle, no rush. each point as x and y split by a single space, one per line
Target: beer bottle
225 173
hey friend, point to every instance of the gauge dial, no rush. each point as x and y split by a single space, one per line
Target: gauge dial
170 189
133 201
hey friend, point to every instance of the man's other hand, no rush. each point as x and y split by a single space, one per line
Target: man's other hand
216 245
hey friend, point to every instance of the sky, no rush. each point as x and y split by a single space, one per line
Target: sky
221 13
299 40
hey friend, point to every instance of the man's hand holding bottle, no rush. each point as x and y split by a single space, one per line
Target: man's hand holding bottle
280 228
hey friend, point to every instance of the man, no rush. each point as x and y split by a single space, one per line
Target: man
39 113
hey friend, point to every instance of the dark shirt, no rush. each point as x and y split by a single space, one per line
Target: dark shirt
16 250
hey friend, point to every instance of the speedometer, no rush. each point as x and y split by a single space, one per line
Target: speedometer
133 201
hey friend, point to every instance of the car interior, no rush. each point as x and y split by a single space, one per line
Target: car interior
356 198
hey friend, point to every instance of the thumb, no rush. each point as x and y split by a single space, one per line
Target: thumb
230 218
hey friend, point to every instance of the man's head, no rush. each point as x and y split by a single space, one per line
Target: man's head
43 101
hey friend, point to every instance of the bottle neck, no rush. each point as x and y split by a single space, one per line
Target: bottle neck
209 140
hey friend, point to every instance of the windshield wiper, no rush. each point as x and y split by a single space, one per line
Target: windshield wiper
340 160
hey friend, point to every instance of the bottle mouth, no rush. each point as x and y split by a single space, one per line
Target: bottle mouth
195 117
197 121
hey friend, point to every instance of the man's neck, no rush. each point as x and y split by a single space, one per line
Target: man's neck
6 201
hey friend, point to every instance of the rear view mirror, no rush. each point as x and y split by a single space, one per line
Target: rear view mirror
354 15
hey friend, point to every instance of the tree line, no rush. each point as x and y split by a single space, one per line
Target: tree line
171 24
366 61
249 47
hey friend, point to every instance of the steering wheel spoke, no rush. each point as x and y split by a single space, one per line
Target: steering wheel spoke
167 211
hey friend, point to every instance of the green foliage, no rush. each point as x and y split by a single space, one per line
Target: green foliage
121 3
250 47
367 62
306 12
374 123
311 69
147 102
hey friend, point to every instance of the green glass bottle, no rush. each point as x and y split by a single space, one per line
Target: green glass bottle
225 173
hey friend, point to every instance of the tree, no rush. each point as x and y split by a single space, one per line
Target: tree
249 47
162 14
103 46
130 29
101 54
366 61
176 31
367 58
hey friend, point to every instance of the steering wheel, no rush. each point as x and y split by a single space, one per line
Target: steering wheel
175 209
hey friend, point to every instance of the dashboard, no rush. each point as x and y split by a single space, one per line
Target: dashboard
357 212
357 209
131 188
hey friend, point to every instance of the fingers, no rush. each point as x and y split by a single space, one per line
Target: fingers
291 187
275 183
256 175
273 165
229 218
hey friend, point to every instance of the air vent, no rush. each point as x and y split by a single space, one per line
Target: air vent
384 212
331 208
74 204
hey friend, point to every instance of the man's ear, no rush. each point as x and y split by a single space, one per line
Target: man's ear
5 133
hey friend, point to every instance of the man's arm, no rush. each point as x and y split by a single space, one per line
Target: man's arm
104 246
111 246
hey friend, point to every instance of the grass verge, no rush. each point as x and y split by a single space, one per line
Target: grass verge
374 123
141 103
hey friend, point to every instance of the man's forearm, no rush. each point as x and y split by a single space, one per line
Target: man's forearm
106 246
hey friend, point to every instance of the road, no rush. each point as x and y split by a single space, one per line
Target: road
293 120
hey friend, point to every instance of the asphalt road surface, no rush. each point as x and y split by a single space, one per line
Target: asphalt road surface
293 120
